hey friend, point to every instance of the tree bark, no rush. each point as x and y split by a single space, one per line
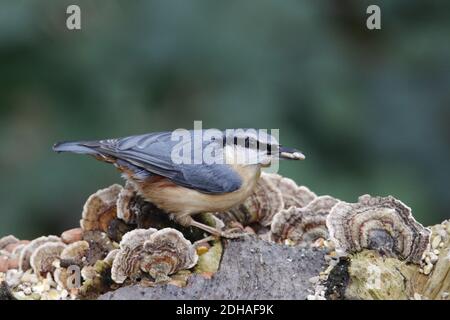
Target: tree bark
251 269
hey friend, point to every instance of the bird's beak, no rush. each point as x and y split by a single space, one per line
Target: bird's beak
290 153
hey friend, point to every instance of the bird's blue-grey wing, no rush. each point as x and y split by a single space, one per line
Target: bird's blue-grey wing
153 152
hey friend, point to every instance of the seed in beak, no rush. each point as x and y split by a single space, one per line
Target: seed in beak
299 155
294 155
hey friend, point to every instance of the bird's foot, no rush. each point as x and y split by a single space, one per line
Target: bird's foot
232 233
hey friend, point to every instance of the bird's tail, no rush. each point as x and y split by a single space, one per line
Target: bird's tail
82 147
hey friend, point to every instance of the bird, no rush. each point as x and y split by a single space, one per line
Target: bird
189 171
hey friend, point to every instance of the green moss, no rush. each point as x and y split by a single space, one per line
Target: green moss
209 262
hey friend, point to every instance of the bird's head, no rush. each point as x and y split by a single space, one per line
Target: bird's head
250 146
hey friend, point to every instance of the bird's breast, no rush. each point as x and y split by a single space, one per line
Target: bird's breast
177 199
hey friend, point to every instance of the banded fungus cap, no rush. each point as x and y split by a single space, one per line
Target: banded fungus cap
7 240
379 223
265 201
124 203
293 195
126 261
302 226
166 252
43 258
109 259
27 251
75 253
100 209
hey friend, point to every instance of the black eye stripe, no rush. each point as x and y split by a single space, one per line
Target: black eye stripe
250 143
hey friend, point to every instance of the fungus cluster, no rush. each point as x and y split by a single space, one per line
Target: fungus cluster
293 195
272 194
123 239
265 201
107 249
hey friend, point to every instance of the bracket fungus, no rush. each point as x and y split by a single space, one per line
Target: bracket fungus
127 261
43 258
7 240
124 204
166 252
156 252
99 246
302 226
61 277
109 259
378 223
124 239
265 201
27 251
100 209
75 253
293 195
71 266
8 254
3 262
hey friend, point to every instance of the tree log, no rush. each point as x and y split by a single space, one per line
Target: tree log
251 269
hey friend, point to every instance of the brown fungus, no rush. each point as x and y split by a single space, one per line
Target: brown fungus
166 252
302 226
61 277
265 201
126 262
117 229
109 259
379 223
125 201
13 262
75 253
3 262
99 246
293 195
158 253
7 240
43 258
100 209
27 251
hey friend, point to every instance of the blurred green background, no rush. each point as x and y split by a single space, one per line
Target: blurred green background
369 108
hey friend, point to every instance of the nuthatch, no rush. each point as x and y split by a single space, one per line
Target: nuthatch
184 186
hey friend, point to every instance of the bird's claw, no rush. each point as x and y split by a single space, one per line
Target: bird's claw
233 233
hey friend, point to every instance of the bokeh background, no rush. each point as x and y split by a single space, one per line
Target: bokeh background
369 108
